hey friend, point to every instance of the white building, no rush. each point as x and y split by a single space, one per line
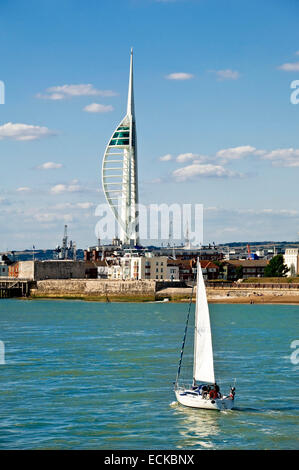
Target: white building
132 266
173 272
115 271
291 260
3 268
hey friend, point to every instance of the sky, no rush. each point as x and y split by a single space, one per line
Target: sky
217 111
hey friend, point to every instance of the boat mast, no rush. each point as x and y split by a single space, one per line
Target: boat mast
198 267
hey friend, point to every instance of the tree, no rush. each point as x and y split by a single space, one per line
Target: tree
276 267
239 272
219 264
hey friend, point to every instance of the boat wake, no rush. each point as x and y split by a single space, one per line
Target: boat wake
173 404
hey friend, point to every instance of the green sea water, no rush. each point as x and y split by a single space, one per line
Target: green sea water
87 375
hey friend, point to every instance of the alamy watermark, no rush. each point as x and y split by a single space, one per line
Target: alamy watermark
2 92
294 358
155 222
294 98
2 353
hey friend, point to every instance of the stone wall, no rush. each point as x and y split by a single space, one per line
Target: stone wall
258 295
117 290
95 288
235 295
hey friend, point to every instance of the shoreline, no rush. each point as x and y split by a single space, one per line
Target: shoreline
250 300
151 291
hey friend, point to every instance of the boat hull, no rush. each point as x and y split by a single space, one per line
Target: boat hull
194 400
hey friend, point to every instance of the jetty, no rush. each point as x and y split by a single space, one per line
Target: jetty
14 287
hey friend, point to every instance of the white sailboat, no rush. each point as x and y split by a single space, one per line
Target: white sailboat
204 392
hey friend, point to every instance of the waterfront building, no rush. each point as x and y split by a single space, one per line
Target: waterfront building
210 270
291 259
131 266
243 268
119 172
173 271
52 269
3 267
144 267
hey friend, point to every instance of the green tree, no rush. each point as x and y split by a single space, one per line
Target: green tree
276 267
219 264
239 272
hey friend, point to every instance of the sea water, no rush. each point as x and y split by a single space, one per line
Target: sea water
88 375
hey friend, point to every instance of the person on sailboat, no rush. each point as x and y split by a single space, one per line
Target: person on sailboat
195 386
213 394
217 390
232 393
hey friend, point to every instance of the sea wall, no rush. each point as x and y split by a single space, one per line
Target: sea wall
149 290
236 295
253 295
95 289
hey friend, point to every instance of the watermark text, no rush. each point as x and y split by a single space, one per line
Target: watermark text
294 98
295 354
156 222
2 92
2 353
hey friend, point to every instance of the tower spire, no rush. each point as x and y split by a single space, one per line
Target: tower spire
130 105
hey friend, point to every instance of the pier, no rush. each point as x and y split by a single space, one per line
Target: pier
14 287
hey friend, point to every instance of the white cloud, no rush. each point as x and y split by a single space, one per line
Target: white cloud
64 188
290 67
217 211
236 153
198 169
98 108
283 157
23 189
84 205
185 157
59 188
23 131
179 76
69 91
46 217
77 205
50 166
227 74
166 158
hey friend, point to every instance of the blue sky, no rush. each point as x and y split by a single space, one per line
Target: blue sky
214 119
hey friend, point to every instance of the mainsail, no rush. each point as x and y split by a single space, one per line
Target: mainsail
203 367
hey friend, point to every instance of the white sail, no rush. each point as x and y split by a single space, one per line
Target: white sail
203 369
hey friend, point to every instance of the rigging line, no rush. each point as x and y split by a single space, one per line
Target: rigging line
185 334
